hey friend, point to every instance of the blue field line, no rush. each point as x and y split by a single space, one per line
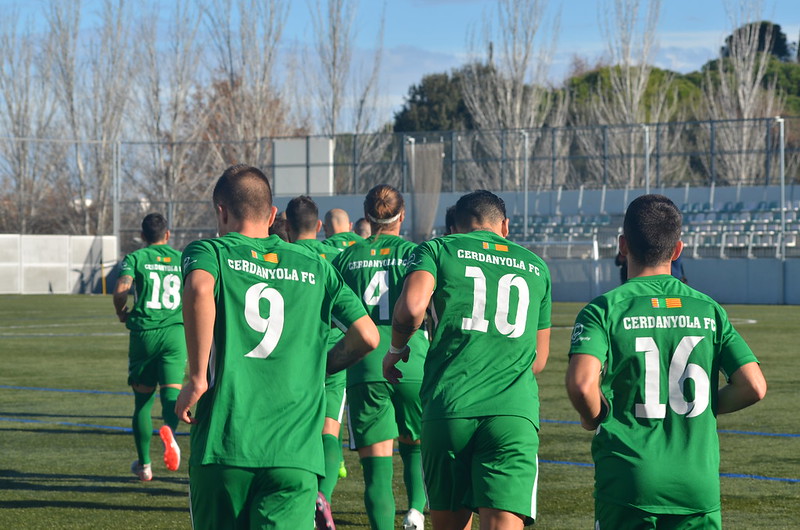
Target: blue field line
724 475
562 422
86 425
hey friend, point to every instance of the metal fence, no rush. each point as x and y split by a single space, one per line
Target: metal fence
63 186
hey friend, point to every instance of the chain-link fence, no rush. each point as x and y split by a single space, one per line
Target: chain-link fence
55 186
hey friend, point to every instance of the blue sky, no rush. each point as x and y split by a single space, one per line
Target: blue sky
428 36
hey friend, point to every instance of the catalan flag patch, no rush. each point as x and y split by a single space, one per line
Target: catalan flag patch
669 303
271 257
495 246
385 251
322 256
167 259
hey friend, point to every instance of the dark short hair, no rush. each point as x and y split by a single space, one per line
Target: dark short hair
245 191
302 214
481 207
279 228
154 227
449 219
652 228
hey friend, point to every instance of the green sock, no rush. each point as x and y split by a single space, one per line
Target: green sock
169 396
412 475
378 496
142 424
332 449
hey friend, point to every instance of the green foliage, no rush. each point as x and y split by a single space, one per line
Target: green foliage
436 104
66 466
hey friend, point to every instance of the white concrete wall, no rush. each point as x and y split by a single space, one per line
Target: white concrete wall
58 264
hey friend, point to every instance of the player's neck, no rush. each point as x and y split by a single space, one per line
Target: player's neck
306 235
256 230
638 271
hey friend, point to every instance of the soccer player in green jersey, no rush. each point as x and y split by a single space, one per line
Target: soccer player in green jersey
380 411
644 375
480 406
157 348
338 230
257 312
303 225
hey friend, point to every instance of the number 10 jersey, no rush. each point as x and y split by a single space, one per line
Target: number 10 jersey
662 345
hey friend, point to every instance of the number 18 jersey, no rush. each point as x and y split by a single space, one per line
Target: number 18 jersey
491 297
275 302
156 273
662 345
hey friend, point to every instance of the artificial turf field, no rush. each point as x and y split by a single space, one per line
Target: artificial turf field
65 450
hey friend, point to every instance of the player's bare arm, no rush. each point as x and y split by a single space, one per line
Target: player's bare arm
199 313
747 387
121 291
583 388
542 350
361 338
407 317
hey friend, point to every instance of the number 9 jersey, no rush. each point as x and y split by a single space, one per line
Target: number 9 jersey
274 305
662 345
491 296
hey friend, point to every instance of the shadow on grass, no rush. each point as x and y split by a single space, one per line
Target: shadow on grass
40 415
88 506
11 480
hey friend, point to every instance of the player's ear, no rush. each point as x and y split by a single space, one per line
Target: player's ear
623 245
319 226
166 235
402 215
678 249
272 213
504 228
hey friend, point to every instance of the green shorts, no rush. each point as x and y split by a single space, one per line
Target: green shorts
226 497
157 356
335 395
609 515
381 411
487 462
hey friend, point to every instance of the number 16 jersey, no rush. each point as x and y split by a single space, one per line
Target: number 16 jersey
662 345
491 297
274 305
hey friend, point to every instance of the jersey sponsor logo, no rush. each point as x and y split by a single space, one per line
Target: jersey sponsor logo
188 261
671 321
497 260
271 257
495 246
279 273
576 334
668 303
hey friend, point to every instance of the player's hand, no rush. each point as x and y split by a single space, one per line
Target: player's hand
593 423
390 372
187 398
123 315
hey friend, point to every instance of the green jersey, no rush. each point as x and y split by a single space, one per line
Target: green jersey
156 273
375 270
342 240
325 251
275 302
662 345
491 298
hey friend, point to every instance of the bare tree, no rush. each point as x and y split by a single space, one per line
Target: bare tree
505 86
627 96
26 115
737 89
245 98
91 95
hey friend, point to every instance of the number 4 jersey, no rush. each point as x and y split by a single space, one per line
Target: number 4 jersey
275 302
156 273
662 345
490 299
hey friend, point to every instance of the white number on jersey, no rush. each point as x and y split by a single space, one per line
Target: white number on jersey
272 326
170 298
478 322
375 294
680 369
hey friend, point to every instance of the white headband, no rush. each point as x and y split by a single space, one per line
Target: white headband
383 221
